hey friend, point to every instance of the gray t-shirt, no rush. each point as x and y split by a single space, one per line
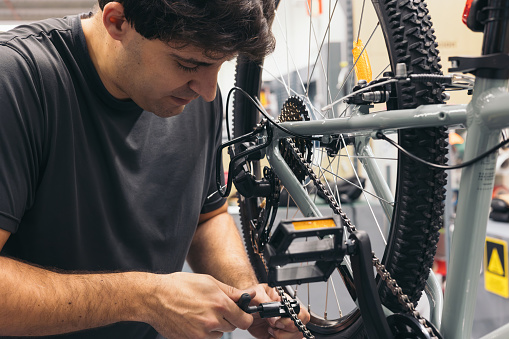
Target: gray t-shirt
89 182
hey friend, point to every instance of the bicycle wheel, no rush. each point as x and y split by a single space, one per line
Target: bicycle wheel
409 247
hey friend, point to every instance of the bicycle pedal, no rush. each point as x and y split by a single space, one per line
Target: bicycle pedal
317 241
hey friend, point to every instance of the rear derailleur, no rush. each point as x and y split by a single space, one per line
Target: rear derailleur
242 151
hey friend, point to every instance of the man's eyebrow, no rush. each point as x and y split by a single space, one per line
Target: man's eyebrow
191 60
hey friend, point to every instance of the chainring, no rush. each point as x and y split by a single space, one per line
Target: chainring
405 326
294 109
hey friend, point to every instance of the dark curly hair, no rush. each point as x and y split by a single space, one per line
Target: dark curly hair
220 27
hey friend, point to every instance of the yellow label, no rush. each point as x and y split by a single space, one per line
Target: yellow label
496 279
314 223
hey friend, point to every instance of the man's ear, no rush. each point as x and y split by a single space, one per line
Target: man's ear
114 20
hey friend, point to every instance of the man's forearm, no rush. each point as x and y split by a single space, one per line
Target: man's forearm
34 301
217 249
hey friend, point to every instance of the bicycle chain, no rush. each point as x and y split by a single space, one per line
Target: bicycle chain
402 298
319 185
289 309
391 283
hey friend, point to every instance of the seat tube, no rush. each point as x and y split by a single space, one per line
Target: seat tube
467 247
476 187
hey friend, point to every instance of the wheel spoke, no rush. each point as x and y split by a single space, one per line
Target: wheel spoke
305 65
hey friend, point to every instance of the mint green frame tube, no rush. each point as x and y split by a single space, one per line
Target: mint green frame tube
366 125
485 119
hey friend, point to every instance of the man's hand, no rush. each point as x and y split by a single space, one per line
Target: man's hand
187 305
218 239
278 328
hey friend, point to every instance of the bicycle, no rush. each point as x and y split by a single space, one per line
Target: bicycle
297 156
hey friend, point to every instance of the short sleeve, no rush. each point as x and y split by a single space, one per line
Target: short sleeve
213 200
21 131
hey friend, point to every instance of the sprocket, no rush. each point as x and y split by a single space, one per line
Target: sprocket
406 326
294 109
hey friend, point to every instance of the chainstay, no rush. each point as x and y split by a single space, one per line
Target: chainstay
391 283
319 185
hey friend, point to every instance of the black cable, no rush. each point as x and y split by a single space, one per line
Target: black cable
267 116
446 79
227 108
380 135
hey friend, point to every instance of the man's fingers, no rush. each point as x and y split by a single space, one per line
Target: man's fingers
282 334
224 326
237 317
283 328
216 335
234 293
286 324
233 313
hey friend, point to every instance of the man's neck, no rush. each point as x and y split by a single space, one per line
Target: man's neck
99 51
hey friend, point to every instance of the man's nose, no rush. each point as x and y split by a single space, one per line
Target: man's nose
205 84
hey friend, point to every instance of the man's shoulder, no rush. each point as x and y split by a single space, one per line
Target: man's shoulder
36 47
24 32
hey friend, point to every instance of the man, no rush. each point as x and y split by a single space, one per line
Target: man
109 126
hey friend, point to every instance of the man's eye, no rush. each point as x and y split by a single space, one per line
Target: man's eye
188 69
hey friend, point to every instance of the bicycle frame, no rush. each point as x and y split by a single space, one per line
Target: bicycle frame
484 117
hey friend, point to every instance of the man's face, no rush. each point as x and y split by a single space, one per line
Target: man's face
161 78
